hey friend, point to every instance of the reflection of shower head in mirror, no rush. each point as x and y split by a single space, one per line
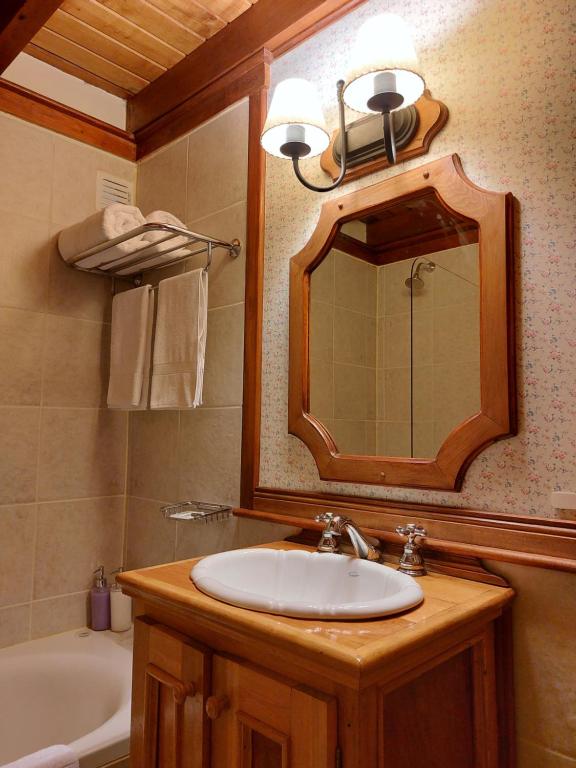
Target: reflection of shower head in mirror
415 282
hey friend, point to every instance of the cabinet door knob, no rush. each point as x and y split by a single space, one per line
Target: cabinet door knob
215 705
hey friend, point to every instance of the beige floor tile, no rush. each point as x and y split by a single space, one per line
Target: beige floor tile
210 441
26 160
59 614
76 362
19 437
82 453
154 439
16 553
20 357
218 163
150 539
162 181
73 538
14 625
25 249
224 367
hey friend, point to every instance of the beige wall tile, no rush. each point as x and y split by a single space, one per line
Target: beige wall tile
210 441
18 454
14 625
25 249
82 453
355 284
321 388
162 181
151 539
354 338
545 659
250 532
397 394
381 444
532 755
73 538
350 436
462 261
371 439
26 159
322 280
218 163
227 274
76 362
59 614
397 439
425 446
321 331
78 294
457 333
456 392
396 295
457 283
21 333
74 182
351 392
224 367
16 553
154 439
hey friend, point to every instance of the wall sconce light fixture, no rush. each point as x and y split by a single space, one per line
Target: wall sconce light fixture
383 77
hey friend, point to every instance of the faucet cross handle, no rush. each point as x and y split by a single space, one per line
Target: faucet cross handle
329 541
412 531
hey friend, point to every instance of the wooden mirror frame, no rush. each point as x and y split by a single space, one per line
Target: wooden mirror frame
497 416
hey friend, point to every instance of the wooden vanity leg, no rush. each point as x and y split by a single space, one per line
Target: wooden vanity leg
485 714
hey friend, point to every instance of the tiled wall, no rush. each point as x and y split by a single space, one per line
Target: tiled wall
174 455
62 455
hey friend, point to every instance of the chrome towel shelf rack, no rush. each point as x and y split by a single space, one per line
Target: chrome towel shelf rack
140 259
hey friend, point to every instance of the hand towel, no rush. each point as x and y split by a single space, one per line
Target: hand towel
180 341
110 222
158 248
130 348
59 756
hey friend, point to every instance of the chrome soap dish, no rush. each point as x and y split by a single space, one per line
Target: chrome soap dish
197 511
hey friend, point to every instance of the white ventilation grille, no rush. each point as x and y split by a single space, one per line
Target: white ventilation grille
110 189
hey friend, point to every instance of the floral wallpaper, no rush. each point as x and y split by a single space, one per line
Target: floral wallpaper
503 68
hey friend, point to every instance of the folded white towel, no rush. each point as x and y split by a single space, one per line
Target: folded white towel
180 341
158 249
130 348
58 756
114 220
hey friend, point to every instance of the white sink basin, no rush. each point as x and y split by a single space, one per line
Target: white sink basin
305 584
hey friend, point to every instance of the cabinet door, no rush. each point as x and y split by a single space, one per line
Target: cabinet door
171 675
260 722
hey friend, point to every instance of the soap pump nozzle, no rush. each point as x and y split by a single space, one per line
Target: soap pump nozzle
120 569
100 580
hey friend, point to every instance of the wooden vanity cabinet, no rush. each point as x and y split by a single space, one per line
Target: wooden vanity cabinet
216 686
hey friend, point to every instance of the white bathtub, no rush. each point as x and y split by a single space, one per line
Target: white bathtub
73 689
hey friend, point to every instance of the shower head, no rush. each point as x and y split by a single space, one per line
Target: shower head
415 282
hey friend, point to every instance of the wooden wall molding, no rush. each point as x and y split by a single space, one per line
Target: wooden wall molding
276 25
452 531
20 20
40 110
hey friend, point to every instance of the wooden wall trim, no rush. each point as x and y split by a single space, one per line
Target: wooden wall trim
40 110
249 77
20 20
253 302
276 25
521 539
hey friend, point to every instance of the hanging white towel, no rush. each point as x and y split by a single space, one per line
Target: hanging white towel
130 348
158 249
58 756
114 220
180 341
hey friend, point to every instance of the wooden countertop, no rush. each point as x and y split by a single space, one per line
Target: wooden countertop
353 650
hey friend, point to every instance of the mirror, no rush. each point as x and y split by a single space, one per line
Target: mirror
394 332
401 330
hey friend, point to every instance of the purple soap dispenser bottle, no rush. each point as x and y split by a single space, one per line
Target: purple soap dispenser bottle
100 601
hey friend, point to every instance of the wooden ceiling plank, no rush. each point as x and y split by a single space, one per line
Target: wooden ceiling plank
191 15
103 45
112 24
156 22
20 20
227 10
273 24
91 62
73 69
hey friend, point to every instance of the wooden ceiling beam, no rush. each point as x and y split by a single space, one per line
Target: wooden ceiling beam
276 25
20 20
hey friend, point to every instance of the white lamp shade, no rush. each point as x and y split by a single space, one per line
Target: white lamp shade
295 114
383 45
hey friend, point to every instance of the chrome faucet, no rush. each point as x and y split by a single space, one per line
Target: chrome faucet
335 526
411 561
